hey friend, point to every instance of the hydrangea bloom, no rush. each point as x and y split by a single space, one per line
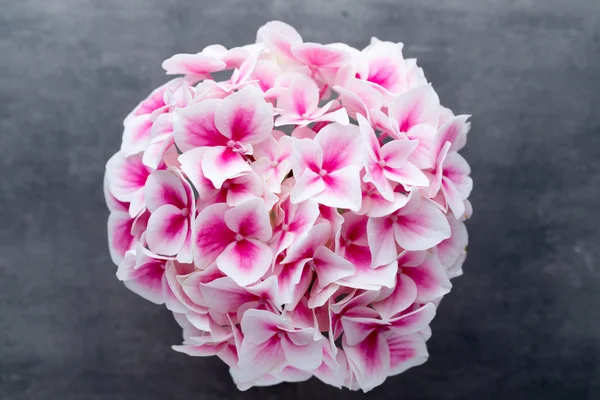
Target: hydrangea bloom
301 218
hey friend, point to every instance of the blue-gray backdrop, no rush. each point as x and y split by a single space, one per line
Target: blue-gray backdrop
523 323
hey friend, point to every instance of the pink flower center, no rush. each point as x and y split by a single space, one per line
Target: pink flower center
322 172
239 237
394 218
285 227
237 147
382 163
311 263
226 185
274 163
185 212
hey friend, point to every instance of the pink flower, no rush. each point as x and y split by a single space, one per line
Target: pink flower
322 249
419 225
234 238
389 163
299 102
272 340
328 168
171 203
228 128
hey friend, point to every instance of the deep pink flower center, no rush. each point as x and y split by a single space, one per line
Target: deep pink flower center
239 237
322 172
185 212
285 227
382 163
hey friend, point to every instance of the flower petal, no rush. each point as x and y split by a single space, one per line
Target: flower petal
245 261
245 116
211 235
222 163
369 360
424 228
167 230
250 219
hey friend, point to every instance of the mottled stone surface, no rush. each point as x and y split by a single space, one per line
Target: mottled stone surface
523 323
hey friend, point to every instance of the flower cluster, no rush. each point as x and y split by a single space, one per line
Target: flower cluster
301 216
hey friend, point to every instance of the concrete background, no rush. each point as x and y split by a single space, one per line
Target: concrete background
523 323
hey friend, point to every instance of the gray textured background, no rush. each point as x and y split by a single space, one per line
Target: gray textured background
523 323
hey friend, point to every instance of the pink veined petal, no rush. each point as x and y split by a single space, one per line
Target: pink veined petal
375 205
408 175
288 278
136 135
416 106
152 103
243 188
356 328
245 116
386 67
414 321
449 250
167 230
369 360
266 73
266 289
120 238
200 350
380 233
192 64
269 148
278 37
155 152
424 228
300 98
305 215
303 132
342 189
451 131
422 156
306 155
330 267
376 175
224 295
396 152
403 296
126 176
258 326
365 277
162 188
369 138
456 183
307 186
341 146
250 219
111 202
319 55
305 247
191 165
146 282
211 235
245 261
339 116
176 299
406 351
305 358
430 278
194 126
258 359
222 163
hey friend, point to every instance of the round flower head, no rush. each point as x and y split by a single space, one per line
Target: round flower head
301 218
